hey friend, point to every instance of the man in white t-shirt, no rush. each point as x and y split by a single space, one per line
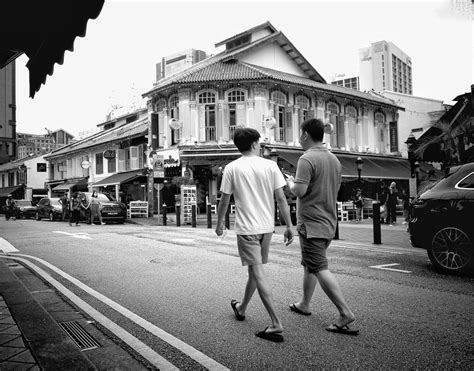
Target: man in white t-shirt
253 181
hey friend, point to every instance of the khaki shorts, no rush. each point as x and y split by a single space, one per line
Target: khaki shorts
313 251
253 248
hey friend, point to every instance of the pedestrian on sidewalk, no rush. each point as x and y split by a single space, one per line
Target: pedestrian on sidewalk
75 207
64 201
254 181
359 204
95 207
392 199
10 208
318 178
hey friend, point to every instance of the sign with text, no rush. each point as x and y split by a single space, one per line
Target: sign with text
158 167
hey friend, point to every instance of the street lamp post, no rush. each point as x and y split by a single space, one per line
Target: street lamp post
416 170
359 164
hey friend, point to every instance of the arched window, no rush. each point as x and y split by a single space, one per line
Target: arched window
303 103
160 105
353 137
284 129
337 138
234 112
174 114
208 114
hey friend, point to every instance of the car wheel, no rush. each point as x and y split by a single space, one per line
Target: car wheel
451 250
37 217
51 217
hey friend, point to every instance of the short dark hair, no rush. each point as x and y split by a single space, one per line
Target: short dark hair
315 129
244 137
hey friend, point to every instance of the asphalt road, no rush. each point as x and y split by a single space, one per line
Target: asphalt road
181 281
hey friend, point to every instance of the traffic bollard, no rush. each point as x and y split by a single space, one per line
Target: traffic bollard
209 216
178 215
193 216
227 217
376 222
164 214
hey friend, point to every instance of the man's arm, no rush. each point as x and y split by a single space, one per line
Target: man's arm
223 205
298 189
285 212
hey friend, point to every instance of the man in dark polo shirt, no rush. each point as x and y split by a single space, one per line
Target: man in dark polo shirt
318 178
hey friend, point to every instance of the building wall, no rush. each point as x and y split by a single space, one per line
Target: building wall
273 56
368 135
7 114
419 113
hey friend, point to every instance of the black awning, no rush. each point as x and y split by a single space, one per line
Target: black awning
14 191
119 178
43 30
80 183
373 166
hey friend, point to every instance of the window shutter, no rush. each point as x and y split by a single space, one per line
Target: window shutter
121 160
289 126
393 136
300 116
154 130
134 158
277 124
241 119
202 123
140 156
161 130
226 123
341 143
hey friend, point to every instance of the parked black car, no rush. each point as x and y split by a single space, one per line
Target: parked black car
111 210
49 208
25 209
441 221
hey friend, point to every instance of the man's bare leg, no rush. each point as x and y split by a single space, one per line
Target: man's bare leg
265 292
332 289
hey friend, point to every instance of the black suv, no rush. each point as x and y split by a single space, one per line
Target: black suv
441 221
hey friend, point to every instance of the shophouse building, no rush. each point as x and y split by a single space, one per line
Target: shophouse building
112 160
23 178
260 80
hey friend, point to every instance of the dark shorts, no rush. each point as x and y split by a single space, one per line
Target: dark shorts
313 251
253 249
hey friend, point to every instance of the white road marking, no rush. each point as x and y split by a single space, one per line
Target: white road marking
80 235
182 240
6 246
384 267
148 326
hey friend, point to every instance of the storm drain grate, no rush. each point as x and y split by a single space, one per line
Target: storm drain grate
80 336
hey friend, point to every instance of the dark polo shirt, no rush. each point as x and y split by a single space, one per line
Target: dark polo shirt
321 171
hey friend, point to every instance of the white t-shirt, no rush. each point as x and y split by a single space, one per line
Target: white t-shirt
253 180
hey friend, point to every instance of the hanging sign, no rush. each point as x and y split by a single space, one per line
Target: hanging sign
158 167
109 154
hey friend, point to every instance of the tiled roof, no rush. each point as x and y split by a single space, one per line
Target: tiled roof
240 71
133 129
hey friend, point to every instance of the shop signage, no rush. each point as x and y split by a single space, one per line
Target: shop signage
158 167
109 154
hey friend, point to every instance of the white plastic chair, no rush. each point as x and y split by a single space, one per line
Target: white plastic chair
342 215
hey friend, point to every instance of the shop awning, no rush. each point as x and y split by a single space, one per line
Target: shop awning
4 192
119 178
82 182
373 167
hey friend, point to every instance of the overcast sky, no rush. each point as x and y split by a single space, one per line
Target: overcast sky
115 62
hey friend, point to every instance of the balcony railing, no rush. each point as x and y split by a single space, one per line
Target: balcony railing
210 134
